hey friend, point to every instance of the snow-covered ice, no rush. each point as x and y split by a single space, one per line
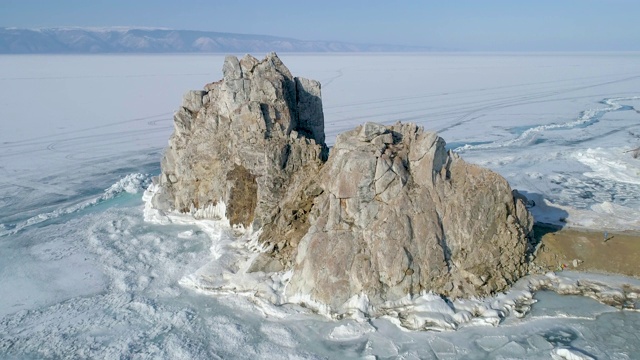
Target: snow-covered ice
83 275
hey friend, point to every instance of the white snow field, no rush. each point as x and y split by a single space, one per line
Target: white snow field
83 275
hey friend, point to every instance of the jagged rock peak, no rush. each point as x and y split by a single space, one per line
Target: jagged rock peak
242 140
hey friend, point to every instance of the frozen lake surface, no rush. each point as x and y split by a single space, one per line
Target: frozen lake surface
82 275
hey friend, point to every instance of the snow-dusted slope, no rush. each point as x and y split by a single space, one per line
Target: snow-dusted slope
150 40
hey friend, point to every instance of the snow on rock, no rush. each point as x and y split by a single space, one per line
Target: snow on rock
227 273
390 213
351 330
616 291
132 184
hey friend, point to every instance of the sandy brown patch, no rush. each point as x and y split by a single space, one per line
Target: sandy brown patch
590 250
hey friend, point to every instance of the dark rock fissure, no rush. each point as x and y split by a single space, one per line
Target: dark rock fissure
446 251
243 196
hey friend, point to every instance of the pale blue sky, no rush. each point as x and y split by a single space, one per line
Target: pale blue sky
533 25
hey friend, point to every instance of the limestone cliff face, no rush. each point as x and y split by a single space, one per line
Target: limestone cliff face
390 213
242 140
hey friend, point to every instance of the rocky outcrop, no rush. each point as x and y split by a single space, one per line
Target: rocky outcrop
241 141
400 215
390 213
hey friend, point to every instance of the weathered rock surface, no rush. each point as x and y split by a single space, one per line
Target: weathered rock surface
399 215
390 213
242 141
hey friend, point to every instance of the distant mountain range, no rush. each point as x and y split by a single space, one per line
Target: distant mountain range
152 40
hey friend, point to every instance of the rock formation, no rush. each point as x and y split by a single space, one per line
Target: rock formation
241 141
390 213
399 215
